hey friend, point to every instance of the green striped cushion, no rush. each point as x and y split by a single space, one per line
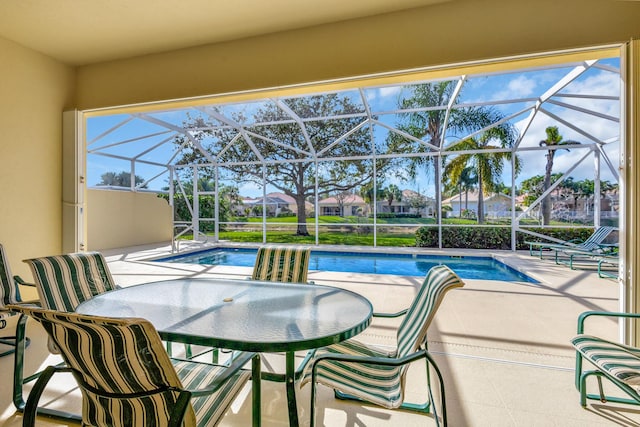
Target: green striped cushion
383 385
412 332
377 384
9 292
620 361
209 409
127 356
282 264
64 281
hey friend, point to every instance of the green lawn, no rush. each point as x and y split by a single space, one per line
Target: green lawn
355 231
325 238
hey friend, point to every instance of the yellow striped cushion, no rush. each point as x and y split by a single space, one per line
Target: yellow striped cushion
126 356
282 264
64 281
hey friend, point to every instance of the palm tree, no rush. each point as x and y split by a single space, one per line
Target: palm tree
426 125
554 139
391 193
467 181
487 165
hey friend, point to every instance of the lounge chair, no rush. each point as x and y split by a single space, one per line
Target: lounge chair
571 257
124 386
356 370
618 363
593 244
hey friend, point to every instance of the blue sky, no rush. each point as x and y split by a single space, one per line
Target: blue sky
525 85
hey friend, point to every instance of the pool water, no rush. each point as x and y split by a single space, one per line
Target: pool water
484 268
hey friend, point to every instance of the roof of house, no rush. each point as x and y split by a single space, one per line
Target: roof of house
350 199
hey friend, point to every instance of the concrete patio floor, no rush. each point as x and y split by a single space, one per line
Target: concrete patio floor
503 347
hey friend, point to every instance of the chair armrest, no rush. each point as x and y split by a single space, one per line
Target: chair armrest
238 362
391 315
384 361
19 281
29 304
583 317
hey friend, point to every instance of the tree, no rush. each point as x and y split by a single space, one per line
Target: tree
488 165
417 201
341 197
228 198
554 139
426 125
284 146
391 193
367 193
119 179
466 182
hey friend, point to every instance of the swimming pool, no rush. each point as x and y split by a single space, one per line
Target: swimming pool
467 267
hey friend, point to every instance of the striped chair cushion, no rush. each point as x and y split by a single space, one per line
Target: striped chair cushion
9 292
383 385
593 242
412 332
127 356
377 384
282 264
617 360
64 281
209 409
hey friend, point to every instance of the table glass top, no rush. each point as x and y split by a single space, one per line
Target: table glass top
240 314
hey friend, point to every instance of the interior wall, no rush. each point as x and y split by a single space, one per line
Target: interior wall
117 219
34 90
446 33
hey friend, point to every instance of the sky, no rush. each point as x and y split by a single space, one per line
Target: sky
109 132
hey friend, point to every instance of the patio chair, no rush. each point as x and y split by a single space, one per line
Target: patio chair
127 378
618 363
282 264
62 282
356 370
593 244
9 294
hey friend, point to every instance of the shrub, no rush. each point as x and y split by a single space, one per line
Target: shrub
490 237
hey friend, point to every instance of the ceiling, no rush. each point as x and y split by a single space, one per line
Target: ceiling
80 32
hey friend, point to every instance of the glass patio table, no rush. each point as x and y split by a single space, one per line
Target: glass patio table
242 315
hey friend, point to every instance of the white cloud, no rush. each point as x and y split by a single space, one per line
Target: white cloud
518 87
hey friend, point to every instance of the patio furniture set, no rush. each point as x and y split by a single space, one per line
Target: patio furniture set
111 340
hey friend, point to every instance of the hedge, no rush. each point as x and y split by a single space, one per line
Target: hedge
490 237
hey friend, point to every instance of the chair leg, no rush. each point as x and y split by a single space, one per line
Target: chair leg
19 380
313 404
31 408
442 392
11 342
18 363
601 396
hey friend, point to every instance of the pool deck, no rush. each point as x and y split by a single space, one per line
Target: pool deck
503 347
